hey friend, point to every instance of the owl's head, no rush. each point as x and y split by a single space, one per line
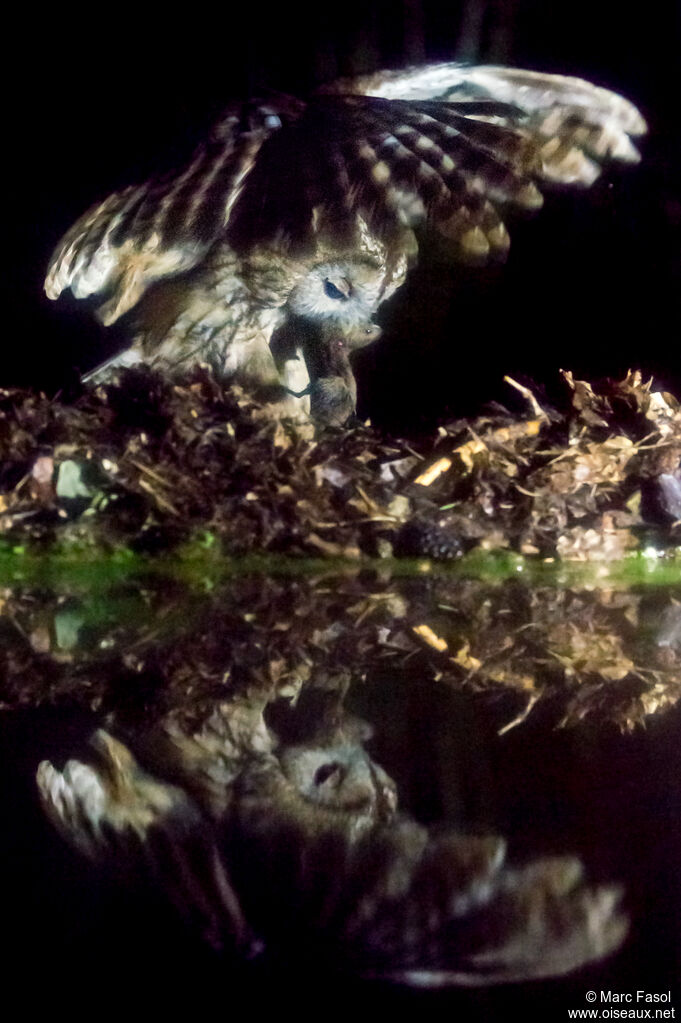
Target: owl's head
346 292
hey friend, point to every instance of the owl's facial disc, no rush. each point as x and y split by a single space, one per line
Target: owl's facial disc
344 292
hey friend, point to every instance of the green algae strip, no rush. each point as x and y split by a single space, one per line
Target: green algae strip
202 563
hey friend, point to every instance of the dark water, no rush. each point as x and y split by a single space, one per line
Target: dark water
545 716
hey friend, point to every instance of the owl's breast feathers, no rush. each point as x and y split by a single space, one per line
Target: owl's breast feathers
348 176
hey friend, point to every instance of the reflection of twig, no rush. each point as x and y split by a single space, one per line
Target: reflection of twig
518 720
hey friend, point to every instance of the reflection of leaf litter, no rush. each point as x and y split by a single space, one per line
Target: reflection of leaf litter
670 626
607 654
587 652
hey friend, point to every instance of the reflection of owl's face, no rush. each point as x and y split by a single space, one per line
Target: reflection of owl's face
343 777
315 791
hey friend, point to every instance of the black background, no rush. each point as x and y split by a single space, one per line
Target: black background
101 100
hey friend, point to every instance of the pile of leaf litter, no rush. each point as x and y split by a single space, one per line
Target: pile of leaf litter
148 463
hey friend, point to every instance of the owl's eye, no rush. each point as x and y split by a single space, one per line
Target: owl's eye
333 291
332 770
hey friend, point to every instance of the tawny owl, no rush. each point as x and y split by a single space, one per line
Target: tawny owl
301 849
268 255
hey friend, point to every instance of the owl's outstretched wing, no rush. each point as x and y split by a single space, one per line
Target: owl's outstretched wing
440 147
445 145
165 226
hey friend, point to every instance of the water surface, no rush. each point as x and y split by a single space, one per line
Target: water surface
528 729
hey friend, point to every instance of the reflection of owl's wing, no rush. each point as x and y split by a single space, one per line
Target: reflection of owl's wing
315 877
402 904
463 916
441 146
114 812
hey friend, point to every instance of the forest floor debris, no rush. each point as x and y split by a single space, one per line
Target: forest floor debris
146 463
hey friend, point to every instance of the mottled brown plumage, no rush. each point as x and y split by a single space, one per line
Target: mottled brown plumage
306 214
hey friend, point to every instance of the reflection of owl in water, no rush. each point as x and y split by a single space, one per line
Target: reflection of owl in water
268 255
301 848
